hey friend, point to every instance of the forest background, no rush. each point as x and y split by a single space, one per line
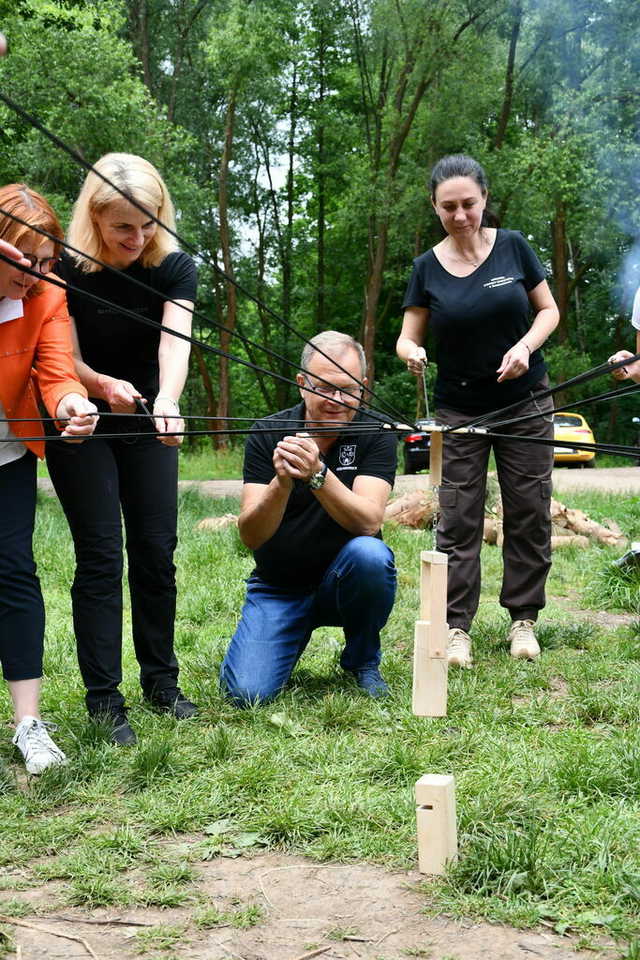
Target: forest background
296 139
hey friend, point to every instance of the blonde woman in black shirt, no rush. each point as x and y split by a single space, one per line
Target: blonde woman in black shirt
476 291
121 362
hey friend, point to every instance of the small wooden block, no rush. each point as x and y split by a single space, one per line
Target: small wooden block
435 459
433 587
429 685
431 639
433 556
436 822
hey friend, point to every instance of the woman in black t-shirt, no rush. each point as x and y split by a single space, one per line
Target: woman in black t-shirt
122 362
475 289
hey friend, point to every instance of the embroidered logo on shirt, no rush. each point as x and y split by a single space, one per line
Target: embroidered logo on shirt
347 454
498 282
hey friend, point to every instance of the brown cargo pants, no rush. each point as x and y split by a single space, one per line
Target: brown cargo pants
524 475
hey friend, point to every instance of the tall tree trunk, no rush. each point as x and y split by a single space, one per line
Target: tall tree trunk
141 39
225 244
560 266
178 60
207 384
321 182
372 293
282 389
508 80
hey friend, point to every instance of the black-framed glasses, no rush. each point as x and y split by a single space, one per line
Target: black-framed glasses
328 390
41 266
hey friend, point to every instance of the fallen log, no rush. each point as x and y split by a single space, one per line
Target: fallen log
569 540
417 509
578 522
217 523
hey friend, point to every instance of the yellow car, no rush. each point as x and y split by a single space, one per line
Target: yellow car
572 428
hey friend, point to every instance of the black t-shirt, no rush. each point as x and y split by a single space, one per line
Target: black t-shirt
116 344
476 319
308 539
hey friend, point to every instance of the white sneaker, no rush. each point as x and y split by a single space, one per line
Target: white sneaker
36 746
524 645
459 648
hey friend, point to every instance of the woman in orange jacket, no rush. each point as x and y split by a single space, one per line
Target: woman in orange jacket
36 363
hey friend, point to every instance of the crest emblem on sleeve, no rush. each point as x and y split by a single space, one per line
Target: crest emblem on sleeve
347 454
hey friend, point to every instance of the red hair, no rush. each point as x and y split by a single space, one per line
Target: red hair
30 206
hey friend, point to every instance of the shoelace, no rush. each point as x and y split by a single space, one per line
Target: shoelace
36 739
459 643
521 630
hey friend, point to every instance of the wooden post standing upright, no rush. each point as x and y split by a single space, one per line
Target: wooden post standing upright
430 640
436 820
435 458
435 793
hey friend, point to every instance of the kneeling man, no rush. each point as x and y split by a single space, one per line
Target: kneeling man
312 508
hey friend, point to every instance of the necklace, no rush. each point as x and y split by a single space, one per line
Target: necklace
460 259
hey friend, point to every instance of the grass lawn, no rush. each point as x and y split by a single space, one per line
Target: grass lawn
546 755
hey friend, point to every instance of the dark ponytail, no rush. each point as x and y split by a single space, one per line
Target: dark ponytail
460 165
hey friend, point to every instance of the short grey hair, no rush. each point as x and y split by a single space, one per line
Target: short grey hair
334 344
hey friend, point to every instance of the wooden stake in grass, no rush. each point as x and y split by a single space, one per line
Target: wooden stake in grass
436 819
430 641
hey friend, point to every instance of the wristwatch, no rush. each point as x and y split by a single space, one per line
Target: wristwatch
316 480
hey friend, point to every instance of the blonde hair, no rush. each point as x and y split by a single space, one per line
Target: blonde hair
30 206
142 182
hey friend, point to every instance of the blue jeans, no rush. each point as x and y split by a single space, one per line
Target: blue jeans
356 593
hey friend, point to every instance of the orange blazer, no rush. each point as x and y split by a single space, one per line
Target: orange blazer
36 361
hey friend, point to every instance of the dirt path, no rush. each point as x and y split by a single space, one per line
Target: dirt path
345 911
616 479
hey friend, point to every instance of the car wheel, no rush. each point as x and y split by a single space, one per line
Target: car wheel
590 464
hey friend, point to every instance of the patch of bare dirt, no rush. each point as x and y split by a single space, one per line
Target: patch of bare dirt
338 912
601 618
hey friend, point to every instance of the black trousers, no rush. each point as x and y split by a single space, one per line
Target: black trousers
21 606
93 481
524 475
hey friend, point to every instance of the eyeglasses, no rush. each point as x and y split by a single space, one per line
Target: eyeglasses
41 266
328 390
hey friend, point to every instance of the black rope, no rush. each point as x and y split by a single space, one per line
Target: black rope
329 431
592 374
622 450
38 125
610 395
185 416
198 314
125 312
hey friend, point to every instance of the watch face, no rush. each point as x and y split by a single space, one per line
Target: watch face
317 480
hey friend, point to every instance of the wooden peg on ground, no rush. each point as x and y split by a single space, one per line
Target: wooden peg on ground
436 822
430 639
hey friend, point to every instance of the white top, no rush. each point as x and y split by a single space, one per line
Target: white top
635 313
10 447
